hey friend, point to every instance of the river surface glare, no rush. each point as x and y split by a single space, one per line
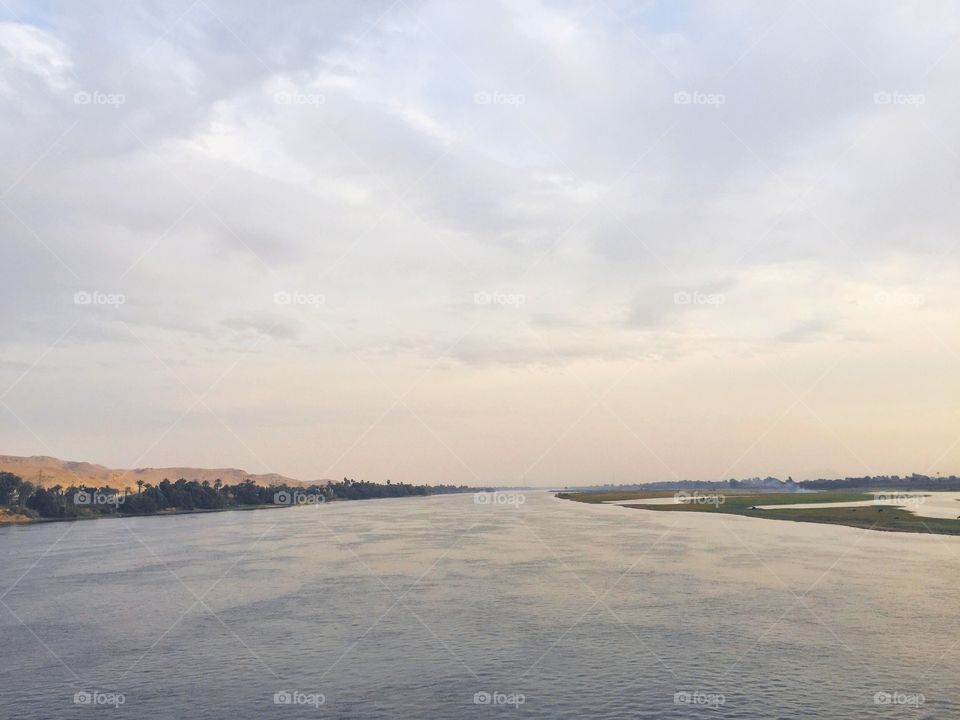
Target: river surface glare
444 608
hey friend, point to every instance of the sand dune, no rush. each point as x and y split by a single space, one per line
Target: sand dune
49 471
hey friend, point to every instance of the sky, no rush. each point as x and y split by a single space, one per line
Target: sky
499 243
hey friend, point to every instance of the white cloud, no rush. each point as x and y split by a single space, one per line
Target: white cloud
26 50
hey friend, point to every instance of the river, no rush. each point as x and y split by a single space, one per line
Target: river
441 607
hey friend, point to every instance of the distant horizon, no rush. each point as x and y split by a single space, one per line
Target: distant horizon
506 485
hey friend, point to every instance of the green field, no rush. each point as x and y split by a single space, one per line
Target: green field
874 517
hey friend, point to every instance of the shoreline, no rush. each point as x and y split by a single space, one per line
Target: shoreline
22 520
5 522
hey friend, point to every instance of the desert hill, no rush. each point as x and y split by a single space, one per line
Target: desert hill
49 471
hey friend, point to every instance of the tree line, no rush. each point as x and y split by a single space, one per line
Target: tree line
75 501
867 482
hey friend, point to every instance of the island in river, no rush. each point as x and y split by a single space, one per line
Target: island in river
894 511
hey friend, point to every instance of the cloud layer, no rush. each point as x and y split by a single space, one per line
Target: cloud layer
537 242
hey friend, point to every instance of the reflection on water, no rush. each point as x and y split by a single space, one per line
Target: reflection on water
444 608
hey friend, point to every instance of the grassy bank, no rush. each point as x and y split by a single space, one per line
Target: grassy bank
872 517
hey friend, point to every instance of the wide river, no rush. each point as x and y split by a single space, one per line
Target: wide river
443 608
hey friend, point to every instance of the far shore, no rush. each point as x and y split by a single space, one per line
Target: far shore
10 518
7 519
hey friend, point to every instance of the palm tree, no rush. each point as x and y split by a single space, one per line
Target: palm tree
217 484
139 486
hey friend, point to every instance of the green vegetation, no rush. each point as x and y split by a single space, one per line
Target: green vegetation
20 498
872 517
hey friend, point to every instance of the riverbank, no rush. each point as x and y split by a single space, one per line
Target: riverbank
27 502
9 518
891 512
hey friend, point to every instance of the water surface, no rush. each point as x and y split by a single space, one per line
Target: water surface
410 608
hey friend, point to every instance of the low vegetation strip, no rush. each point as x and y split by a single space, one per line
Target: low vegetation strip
877 516
22 501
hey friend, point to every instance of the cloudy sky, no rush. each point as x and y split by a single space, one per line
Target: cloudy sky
526 242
